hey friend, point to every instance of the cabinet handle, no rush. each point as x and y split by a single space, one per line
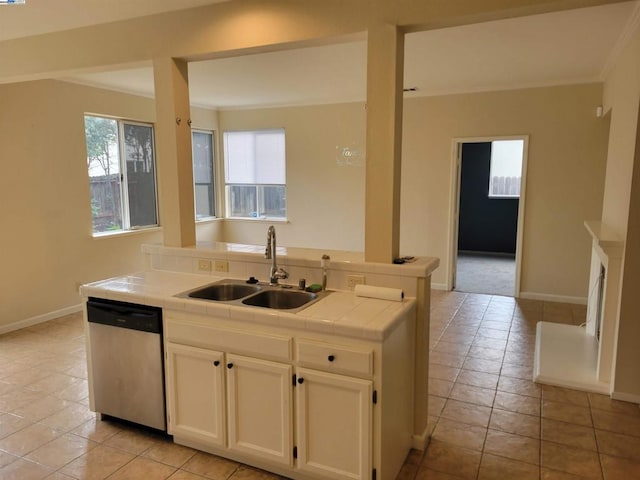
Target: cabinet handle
216 363
331 358
301 380
229 365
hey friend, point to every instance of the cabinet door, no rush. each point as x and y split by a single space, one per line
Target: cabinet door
333 425
259 395
195 392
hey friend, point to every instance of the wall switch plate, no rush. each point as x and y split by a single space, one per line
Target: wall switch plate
353 280
221 266
204 265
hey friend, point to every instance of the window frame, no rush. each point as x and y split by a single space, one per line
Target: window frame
125 209
259 187
214 176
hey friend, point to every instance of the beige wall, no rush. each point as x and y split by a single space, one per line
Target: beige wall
567 151
621 209
566 162
46 247
50 249
325 196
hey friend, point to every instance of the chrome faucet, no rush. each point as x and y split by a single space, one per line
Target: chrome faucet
275 273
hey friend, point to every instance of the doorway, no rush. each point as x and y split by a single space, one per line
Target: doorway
488 177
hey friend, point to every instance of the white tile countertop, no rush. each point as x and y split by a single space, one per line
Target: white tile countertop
340 313
308 257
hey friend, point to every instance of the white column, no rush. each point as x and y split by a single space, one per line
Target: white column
385 68
173 150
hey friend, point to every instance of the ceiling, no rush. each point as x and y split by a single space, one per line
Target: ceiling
35 17
574 46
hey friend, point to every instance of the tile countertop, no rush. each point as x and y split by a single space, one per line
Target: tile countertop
341 313
305 257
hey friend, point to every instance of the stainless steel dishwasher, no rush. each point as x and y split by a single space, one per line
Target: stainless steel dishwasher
127 361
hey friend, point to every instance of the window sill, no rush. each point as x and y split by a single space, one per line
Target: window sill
208 220
124 233
262 220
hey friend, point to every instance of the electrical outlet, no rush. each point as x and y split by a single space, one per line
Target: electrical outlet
204 265
353 280
221 266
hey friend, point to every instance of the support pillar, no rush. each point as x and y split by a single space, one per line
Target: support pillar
173 151
385 69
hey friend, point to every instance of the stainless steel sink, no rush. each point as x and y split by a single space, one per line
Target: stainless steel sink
280 299
262 295
224 291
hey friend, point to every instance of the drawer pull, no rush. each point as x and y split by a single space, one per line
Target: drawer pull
216 363
331 358
301 381
229 365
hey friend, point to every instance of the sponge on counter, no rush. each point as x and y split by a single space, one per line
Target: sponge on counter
314 288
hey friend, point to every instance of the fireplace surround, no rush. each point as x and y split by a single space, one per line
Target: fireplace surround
582 357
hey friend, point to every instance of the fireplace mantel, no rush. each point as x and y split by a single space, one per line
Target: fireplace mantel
605 240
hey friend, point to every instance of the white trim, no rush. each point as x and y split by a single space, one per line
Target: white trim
454 199
124 233
626 397
439 286
27 322
547 297
454 213
420 441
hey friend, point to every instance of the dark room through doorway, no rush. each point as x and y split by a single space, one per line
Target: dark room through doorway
489 201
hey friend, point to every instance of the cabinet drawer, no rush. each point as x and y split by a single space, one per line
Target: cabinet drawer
276 347
335 358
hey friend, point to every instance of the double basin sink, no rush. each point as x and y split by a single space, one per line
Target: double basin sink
281 297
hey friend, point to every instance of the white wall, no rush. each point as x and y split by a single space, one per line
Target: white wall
325 194
565 176
621 209
566 163
46 247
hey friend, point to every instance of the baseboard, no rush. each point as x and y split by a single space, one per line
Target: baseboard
439 286
45 317
420 441
547 297
626 397
487 254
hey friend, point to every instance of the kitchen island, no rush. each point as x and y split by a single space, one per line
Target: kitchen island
327 392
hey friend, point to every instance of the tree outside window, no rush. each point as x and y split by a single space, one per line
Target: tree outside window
121 153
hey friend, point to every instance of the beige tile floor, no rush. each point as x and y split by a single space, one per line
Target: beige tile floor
489 420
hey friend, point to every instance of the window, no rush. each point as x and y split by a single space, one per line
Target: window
203 174
255 176
122 178
506 168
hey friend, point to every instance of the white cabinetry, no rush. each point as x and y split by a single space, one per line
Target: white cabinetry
298 403
333 425
259 394
195 377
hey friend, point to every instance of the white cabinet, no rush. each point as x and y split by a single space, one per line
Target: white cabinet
230 392
258 399
259 396
195 393
333 425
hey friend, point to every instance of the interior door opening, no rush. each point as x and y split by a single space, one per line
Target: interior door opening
489 180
